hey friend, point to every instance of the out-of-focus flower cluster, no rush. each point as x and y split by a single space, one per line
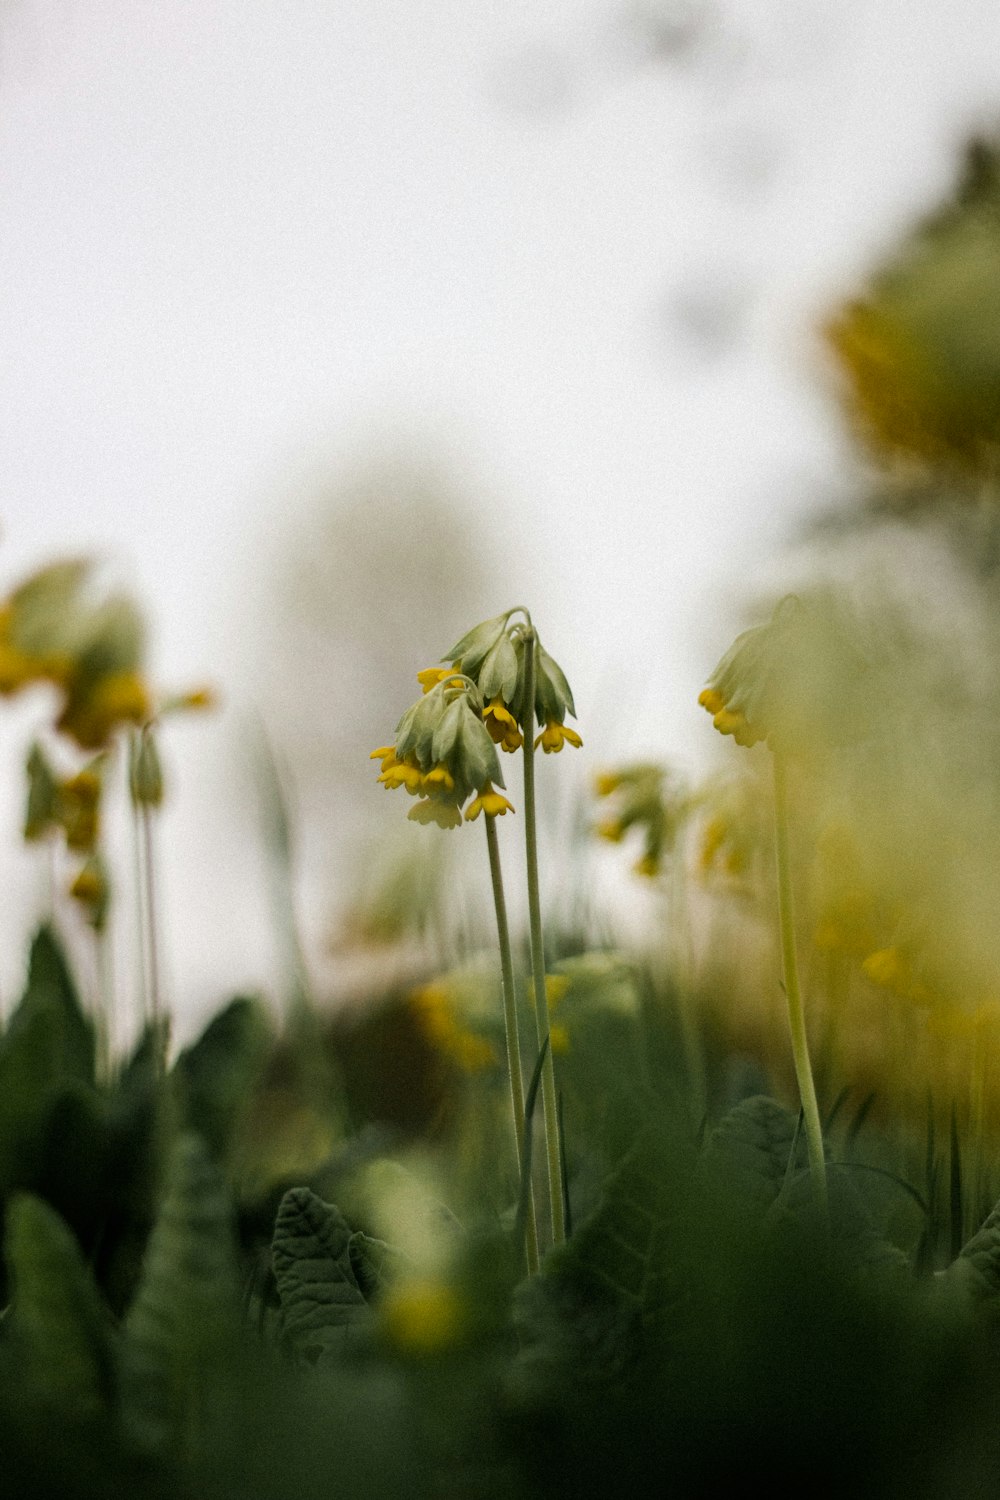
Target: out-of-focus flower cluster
60 629
648 800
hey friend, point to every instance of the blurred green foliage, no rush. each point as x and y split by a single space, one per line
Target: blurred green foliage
178 1325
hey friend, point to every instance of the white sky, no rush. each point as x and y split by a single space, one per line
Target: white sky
243 233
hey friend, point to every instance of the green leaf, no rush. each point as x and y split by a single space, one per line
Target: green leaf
185 1314
374 1263
48 1044
322 1303
977 1266
750 1151
215 1077
60 1328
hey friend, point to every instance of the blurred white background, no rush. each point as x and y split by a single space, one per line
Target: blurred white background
272 270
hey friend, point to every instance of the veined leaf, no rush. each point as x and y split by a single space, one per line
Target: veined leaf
321 1300
977 1266
62 1332
751 1148
185 1312
374 1263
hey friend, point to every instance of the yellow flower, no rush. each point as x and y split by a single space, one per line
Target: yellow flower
422 1316
554 735
558 1039
502 726
79 799
95 709
556 986
489 802
91 890
386 754
607 782
438 778
404 772
435 810
431 676
612 830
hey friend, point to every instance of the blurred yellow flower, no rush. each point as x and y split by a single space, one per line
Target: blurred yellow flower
423 1316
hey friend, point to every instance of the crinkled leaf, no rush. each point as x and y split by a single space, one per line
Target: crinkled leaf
185 1312
977 1266
374 1263
321 1300
750 1150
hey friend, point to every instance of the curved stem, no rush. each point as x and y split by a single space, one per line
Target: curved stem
549 1102
793 992
511 1030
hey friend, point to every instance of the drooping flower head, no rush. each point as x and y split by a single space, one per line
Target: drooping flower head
493 654
443 753
796 681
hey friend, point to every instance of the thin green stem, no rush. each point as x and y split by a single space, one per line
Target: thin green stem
152 941
549 1103
793 991
105 1058
511 1029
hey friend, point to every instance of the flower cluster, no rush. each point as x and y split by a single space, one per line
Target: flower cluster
796 681
494 656
54 628
445 747
443 754
57 629
647 800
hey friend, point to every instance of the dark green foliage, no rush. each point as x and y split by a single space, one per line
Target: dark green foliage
185 1313
215 1077
703 1330
323 1307
62 1334
47 1046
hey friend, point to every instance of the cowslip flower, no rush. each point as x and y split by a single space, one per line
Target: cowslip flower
796 681
443 753
493 655
490 802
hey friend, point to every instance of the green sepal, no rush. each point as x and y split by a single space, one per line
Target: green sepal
553 698
498 674
415 731
43 796
447 731
145 771
474 759
476 644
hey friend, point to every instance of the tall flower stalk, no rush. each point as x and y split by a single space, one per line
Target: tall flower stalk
550 1107
797 683
512 1033
498 685
793 989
